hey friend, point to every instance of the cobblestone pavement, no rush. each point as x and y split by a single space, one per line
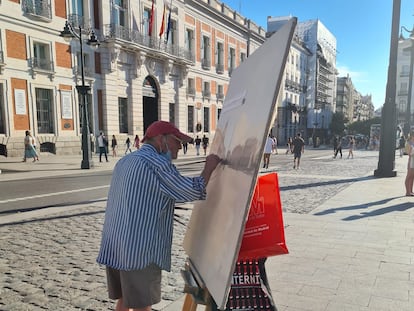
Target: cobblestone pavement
48 262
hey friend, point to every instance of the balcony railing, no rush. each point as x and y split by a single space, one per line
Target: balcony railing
117 32
206 63
88 71
191 91
39 8
40 64
78 21
220 68
206 94
403 93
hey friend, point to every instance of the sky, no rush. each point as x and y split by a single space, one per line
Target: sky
362 29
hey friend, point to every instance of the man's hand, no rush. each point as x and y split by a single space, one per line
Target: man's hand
212 161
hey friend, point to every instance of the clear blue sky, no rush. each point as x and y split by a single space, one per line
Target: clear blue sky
362 29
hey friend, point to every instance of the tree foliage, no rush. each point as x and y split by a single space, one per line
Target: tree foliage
363 127
338 122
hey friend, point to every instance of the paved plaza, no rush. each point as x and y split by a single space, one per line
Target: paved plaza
350 237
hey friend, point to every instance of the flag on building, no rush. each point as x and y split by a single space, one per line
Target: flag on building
163 22
168 25
151 21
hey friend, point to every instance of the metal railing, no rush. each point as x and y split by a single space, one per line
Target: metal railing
206 63
40 8
117 32
41 64
191 91
220 68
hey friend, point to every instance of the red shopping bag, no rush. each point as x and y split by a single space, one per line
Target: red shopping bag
264 233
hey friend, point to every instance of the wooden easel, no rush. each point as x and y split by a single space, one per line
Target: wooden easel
196 294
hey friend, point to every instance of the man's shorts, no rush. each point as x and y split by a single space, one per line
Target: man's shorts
297 155
137 288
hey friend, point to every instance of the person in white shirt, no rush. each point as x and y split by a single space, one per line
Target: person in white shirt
267 151
102 144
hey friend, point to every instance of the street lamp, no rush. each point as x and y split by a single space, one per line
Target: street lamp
407 124
69 33
386 162
315 126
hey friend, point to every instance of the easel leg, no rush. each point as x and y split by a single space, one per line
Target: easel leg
189 303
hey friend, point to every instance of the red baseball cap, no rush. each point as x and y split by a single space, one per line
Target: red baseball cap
165 128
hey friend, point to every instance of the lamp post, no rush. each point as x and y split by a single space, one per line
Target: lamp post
69 33
386 162
407 124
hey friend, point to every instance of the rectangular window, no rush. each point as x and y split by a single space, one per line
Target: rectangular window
191 87
189 40
206 119
37 7
218 113
41 59
77 17
220 92
44 110
242 57
123 114
172 113
2 111
172 40
205 52
232 59
190 119
146 20
119 13
206 89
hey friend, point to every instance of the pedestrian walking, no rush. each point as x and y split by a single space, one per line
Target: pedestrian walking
338 147
409 179
29 150
274 145
351 147
335 144
298 148
185 147
114 146
35 147
289 145
102 144
138 228
267 151
205 144
401 145
128 145
136 142
197 142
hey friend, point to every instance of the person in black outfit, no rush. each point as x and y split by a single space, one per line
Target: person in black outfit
338 148
205 144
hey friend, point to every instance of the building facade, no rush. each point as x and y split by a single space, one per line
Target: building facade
404 109
157 60
313 102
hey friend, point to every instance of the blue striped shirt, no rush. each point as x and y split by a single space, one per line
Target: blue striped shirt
138 225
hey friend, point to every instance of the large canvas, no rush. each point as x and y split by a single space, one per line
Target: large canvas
215 230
